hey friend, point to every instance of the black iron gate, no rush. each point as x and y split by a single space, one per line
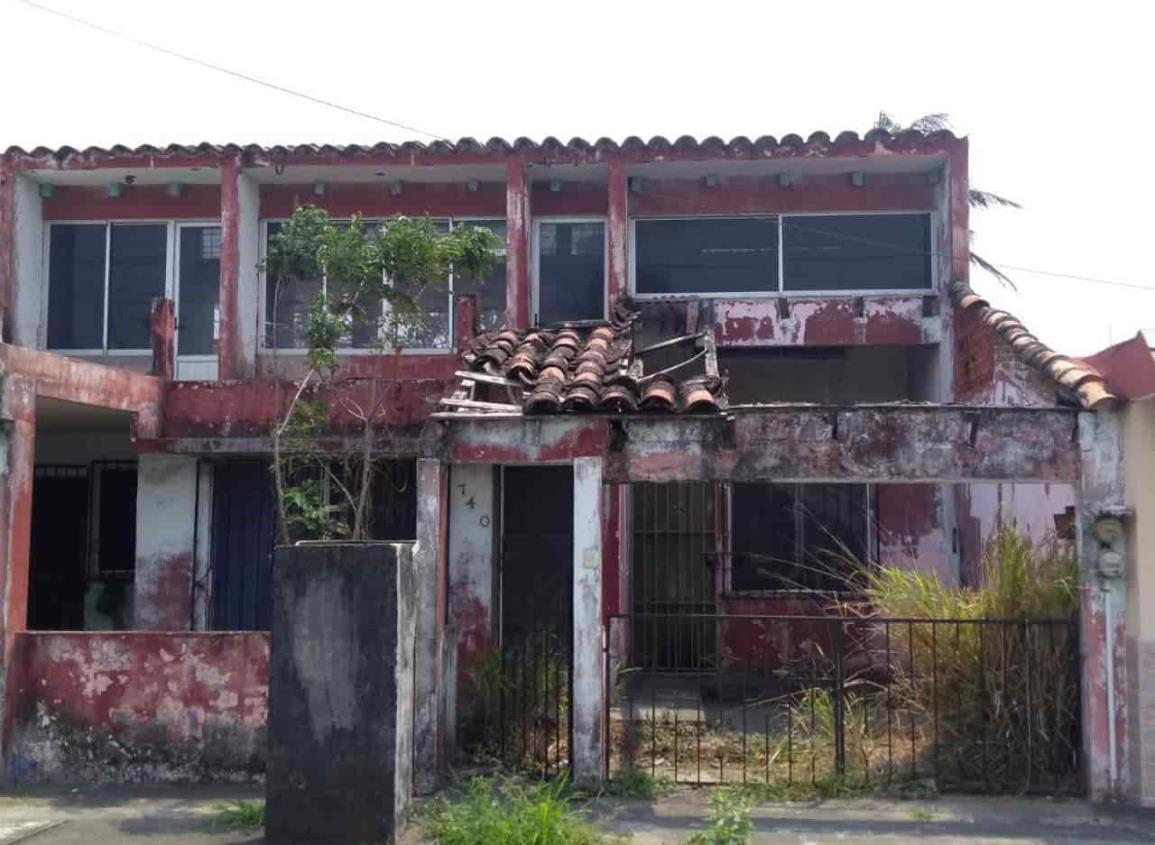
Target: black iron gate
977 705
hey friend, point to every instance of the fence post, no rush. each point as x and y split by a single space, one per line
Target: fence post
839 703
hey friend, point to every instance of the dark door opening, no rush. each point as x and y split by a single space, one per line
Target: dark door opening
244 534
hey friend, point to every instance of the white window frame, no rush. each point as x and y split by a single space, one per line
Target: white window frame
170 276
535 259
728 493
201 357
265 347
781 290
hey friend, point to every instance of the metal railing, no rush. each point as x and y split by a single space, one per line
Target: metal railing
979 705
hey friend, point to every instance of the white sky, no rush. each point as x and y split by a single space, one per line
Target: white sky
1053 97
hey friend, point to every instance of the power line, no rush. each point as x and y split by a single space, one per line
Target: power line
903 250
227 71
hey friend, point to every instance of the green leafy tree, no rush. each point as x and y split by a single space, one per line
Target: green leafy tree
374 278
938 122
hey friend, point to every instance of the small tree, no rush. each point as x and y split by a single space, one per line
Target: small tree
373 280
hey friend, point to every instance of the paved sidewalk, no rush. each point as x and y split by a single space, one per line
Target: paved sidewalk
164 815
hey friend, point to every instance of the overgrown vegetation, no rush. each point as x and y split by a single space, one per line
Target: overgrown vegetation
509 813
240 814
979 689
373 278
729 819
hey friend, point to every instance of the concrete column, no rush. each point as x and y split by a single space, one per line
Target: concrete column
7 242
587 755
228 338
472 539
517 237
249 290
618 233
429 563
166 490
28 282
17 472
1104 599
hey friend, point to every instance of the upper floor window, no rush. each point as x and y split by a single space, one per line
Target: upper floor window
706 255
857 252
571 270
288 302
102 278
792 253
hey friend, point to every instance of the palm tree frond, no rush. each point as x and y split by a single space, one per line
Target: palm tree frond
931 123
887 123
1003 278
986 199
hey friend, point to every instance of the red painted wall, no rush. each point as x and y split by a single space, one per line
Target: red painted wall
375 200
139 706
138 202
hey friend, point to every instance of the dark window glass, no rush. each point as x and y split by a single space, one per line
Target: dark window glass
136 274
199 280
490 290
867 252
797 537
116 519
571 272
76 287
706 255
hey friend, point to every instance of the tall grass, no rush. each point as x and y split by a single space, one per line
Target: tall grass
510 814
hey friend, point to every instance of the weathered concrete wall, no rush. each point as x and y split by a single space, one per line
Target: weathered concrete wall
28 258
166 499
1139 480
827 321
139 707
472 572
248 279
431 586
341 693
587 753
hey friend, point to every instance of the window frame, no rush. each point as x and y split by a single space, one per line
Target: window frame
871 540
781 290
170 276
176 301
264 347
535 259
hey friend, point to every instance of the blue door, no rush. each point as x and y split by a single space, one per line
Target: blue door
244 533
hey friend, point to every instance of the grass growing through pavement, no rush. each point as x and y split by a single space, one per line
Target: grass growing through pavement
509 813
729 819
236 815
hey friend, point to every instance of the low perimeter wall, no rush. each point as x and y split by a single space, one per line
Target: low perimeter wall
138 706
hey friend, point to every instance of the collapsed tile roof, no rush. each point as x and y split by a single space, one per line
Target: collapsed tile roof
1077 377
589 367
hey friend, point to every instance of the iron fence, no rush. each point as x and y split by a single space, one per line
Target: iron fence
978 705
515 705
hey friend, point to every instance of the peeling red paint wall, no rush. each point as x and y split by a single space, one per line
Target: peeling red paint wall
449 199
825 321
139 706
137 202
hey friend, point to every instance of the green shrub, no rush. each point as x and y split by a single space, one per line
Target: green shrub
729 818
510 814
236 815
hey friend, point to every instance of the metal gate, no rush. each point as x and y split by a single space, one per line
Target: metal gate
977 705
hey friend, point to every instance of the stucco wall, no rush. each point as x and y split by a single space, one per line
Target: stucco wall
1139 482
139 706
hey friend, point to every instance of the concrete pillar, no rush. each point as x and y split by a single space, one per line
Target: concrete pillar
472 543
340 693
1102 612
587 754
517 236
1139 469
249 289
228 328
618 233
7 241
17 472
166 502
28 282
429 564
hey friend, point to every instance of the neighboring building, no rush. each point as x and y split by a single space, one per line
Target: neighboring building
768 341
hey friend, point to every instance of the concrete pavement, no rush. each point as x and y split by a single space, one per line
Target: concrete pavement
184 815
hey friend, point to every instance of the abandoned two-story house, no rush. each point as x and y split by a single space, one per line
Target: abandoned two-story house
695 363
